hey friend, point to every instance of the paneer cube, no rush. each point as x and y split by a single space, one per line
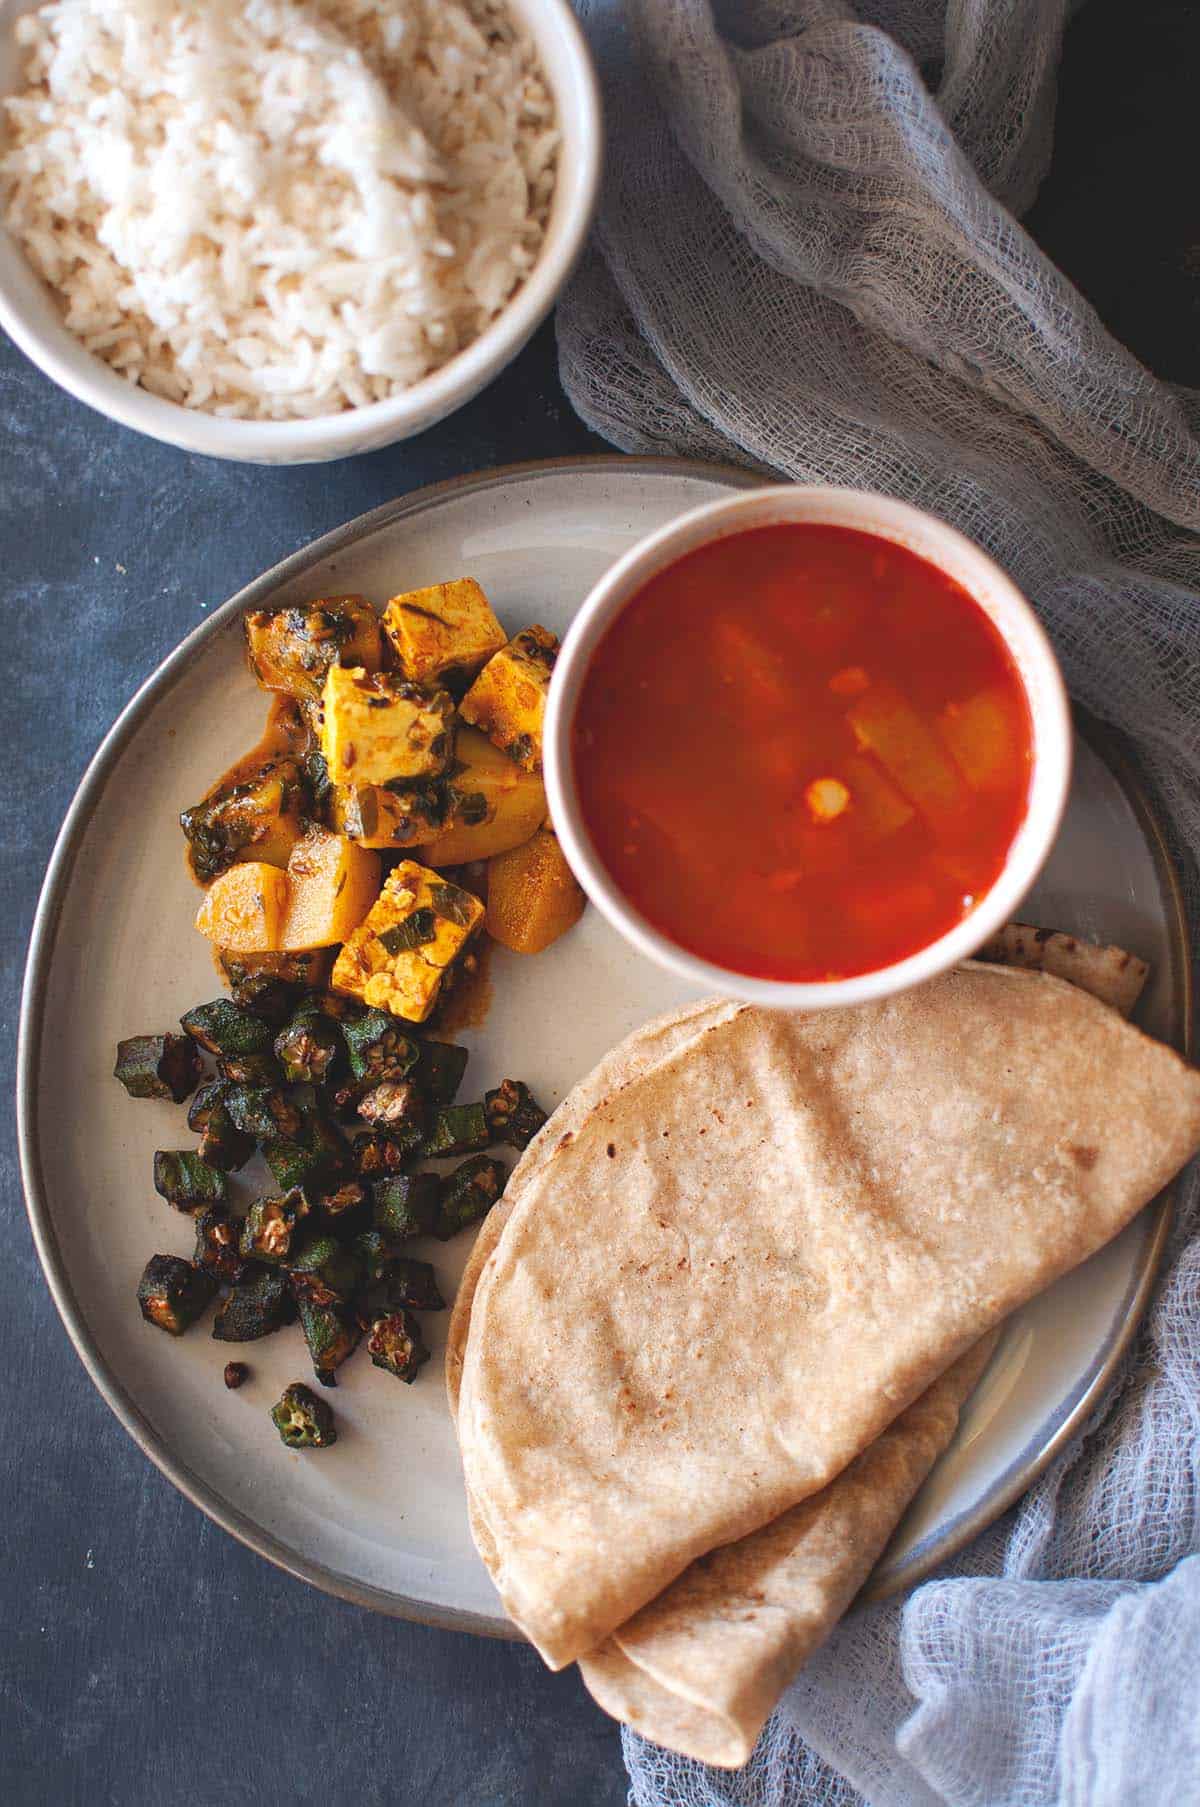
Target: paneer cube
377 727
497 805
442 633
508 698
293 649
375 817
397 959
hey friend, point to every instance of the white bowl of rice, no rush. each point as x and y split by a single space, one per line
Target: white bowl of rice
288 230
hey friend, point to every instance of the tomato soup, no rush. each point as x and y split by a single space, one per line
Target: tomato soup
802 752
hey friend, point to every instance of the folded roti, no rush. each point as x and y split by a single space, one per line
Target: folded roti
747 1261
702 1667
1108 973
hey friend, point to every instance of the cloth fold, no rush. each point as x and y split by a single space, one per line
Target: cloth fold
806 261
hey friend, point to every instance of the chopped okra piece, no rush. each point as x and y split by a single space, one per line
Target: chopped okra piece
394 1342
186 1181
469 1194
377 1251
173 1294
439 1070
380 1046
255 1308
343 1202
158 1066
325 1260
302 1420
308 1047
217 1239
260 1071
330 1330
401 1284
457 1129
408 1205
270 1231
224 1027
393 1104
235 1374
314 1157
377 1156
270 984
263 1112
222 1144
514 1115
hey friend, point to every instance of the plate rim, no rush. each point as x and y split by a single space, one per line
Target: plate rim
158 684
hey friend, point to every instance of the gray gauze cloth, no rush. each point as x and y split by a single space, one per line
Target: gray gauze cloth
806 261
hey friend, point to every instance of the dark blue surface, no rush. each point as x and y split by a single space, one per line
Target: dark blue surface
145 1654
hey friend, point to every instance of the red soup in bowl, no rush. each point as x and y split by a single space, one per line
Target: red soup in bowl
802 752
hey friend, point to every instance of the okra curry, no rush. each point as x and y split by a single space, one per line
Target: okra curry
803 752
392 816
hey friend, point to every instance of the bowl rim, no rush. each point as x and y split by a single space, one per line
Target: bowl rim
66 361
921 532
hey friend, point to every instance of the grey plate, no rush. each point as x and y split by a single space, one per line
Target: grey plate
381 1518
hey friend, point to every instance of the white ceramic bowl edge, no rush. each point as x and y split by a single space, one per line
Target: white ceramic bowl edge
29 314
942 546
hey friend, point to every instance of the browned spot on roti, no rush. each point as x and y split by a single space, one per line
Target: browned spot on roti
1083 1157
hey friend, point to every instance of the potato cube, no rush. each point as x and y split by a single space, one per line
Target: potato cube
986 736
397 959
332 883
377 727
243 909
292 649
886 724
533 896
508 698
498 807
375 817
444 632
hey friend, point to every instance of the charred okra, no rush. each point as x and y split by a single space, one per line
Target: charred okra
514 1115
439 1070
330 1328
255 1308
216 1251
173 1294
325 1260
224 1027
380 1047
270 1231
377 1156
186 1181
222 1144
343 1202
302 1420
394 1342
263 1112
393 1104
314 1157
401 1284
408 1205
468 1194
457 1129
235 1374
308 1047
158 1066
257 1070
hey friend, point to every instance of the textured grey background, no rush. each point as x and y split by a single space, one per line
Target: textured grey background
146 1654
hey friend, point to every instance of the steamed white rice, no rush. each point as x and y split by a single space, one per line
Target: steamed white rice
278 208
